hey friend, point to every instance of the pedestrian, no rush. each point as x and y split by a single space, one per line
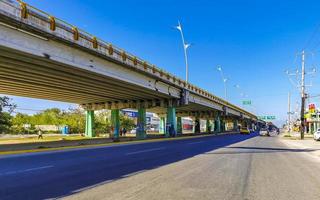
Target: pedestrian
124 131
121 132
40 134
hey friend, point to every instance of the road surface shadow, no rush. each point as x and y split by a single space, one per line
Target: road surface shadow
92 167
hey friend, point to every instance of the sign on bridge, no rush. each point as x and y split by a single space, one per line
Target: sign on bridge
267 117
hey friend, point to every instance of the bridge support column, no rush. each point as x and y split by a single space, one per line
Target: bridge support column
162 125
179 125
171 125
197 125
223 125
115 124
89 130
235 125
208 126
217 124
141 124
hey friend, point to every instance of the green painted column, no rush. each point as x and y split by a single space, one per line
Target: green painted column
89 131
162 125
223 125
208 126
171 125
217 124
141 124
197 125
115 123
235 125
179 125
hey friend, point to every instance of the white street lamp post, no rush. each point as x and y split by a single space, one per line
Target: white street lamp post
224 82
185 47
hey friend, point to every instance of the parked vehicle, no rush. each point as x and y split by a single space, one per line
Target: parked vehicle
316 135
264 132
244 131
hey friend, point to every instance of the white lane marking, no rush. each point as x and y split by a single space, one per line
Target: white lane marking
26 170
143 151
196 142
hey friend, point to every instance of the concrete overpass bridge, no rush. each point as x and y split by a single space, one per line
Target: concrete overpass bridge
47 58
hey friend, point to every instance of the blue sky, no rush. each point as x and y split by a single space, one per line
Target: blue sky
253 41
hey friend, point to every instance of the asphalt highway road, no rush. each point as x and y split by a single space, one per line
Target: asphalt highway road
215 167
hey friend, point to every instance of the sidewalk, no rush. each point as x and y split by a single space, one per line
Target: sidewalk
309 144
30 147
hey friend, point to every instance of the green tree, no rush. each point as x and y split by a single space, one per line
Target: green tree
19 121
75 119
126 122
102 121
6 108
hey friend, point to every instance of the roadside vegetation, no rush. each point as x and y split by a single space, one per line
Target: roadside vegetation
12 122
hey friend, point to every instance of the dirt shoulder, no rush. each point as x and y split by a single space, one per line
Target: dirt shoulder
311 147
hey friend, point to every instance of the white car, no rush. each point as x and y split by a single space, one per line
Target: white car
264 132
316 135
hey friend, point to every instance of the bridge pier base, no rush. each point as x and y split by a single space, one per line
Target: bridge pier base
89 129
179 125
141 124
115 124
171 125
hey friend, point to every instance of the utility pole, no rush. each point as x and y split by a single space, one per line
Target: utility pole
303 98
289 113
302 86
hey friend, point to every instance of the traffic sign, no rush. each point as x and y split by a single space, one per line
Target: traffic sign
267 117
246 102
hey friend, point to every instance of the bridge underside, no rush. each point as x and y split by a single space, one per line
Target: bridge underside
38 77
23 74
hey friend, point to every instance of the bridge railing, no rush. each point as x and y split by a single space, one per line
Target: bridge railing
78 36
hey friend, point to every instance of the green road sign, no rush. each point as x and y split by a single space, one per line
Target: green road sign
246 102
267 117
